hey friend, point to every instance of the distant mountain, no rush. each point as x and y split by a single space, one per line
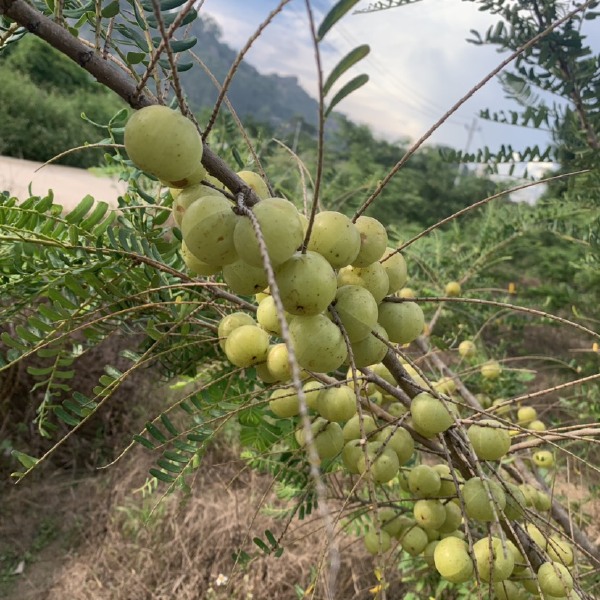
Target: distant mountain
267 98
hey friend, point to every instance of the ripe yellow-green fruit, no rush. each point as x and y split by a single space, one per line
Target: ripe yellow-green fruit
429 513
278 362
515 502
351 453
337 403
406 292
525 415
195 265
188 196
507 590
372 277
247 345
373 241
399 440
395 266
494 560
476 496
452 560
404 321
453 518
499 407
335 237
163 142
207 227
377 541
542 502
266 315
318 343
391 520
467 349
555 579
284 403
307 283
370 349
424 482
328 438
357 310
491 370
445 385
352 428
429 551
537 536
383 464
281 229
429 414
311 390
414 540
197 175
544 459
452 289
396 409
489 441
244 279
560 550
263 373
256 182
447 487
230 322
536 425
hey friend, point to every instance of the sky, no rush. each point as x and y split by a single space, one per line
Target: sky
420 64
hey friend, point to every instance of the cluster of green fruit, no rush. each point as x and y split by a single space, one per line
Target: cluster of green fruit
333 289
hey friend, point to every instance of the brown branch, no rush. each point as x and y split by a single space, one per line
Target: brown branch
106 74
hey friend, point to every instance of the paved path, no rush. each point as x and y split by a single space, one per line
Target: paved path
69 184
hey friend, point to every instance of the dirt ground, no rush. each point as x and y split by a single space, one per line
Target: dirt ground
69 184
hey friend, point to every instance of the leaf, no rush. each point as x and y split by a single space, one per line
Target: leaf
350 87
80 210
161 476
27 461
333 16
346 63
183 45
262 545
111 10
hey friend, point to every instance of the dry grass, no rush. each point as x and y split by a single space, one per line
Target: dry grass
110 545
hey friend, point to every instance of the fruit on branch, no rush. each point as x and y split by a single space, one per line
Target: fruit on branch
369 350
352 428
484 499
399 440
536 425
404 322
281 228
373 241
560 550
395 266
515 502
525 415
307 283
256 182
452 289
383 463
445 385
335 237
491 370
207 227
328 437
489 440
318 343
507 590
494 559
357 310
247 345
244 279
429 414
414 540
467 349
284 403
311 390
372 277
554 579
164 143
266 315
452 560
195 265
278 362
351 453
429 513
453 518
544 459
377 540
406 293
188 196
447 486
263 373
230 322
424 482
337 404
